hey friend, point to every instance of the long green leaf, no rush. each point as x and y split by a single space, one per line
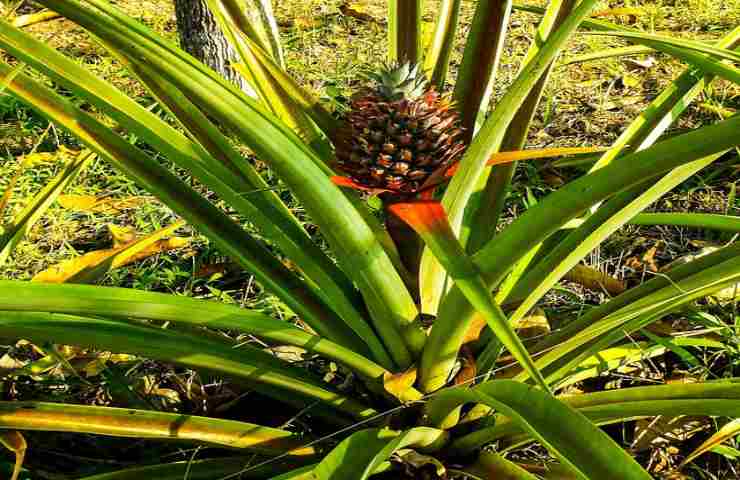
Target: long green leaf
562 429
353 242
255 19
276 222
264 372
267 212
298 94
641 133
123 109
709 221
725 433
497 258
134 304
484 209
540 279
626 355
652 286
359 455
126 422
472 93
706 63
245 191
488 141
720 53
607 406
483 48
708 275
437 58
231 238
492 133
608 53
259 74
428 219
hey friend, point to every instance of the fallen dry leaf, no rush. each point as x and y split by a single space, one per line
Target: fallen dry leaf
644 64
595 280
105 205
356 11
475 329
92 265
34 18
646 262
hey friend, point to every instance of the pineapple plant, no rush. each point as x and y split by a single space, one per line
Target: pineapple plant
400 134
353 305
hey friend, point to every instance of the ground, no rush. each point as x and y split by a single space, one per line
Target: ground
585 104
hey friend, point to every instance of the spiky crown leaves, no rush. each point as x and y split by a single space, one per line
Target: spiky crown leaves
399 81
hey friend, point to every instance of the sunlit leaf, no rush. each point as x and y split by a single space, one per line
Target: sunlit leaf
587 450
145 424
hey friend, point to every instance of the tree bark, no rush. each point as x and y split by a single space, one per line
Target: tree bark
201 37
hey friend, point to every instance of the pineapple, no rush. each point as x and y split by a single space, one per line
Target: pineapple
400 135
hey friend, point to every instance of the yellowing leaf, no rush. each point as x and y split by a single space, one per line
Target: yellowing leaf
468 369
94 204
533 154
93 265
15 442
399 384
719 110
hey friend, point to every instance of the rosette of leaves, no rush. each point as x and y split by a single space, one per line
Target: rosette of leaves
361 306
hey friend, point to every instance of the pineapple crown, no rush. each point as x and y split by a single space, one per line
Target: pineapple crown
400 80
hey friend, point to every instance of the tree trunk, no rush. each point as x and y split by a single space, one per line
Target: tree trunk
201 38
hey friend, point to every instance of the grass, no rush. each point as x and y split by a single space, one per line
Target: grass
584 104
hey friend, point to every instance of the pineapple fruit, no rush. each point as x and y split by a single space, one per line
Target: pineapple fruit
400 135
